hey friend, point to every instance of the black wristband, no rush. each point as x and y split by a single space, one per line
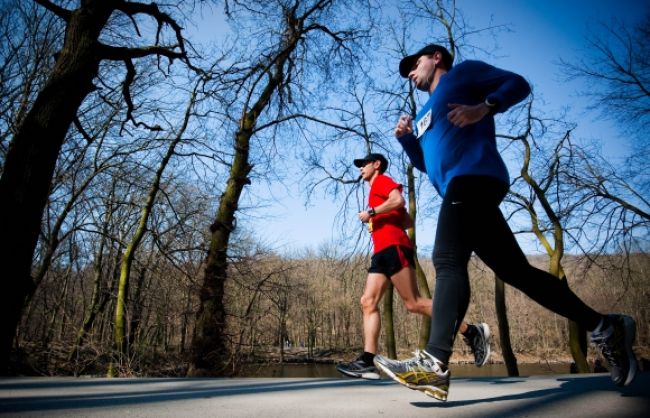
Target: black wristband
372 212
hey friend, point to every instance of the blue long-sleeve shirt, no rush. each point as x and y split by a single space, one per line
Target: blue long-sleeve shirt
445 151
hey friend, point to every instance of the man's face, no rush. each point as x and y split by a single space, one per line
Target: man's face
369 169
422 72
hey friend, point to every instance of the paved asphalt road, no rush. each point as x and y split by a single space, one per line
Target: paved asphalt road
539 396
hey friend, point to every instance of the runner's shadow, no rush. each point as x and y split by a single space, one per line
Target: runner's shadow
571 387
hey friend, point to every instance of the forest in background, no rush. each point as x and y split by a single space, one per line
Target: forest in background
127 149
302 309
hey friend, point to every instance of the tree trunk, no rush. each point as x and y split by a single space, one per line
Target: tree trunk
98 299
577 338
209 348
129 254
185 321
504 328
388 322
97 302
578 345
577 334
136 319
423 286
31 158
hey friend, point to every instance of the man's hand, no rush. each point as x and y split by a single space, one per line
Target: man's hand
463 115
404 126
364 216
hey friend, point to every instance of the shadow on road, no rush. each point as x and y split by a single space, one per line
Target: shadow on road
574 389
116 392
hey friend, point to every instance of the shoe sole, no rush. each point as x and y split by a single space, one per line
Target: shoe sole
486 336
431 391
371 376
630 333
367 375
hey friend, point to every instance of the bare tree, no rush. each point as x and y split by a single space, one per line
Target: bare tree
616 66
270 83
34 149
30 39
614 205
540 174
121 341
100 291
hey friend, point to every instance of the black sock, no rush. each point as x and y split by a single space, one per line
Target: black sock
367 358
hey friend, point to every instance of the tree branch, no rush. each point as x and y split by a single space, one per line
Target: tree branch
122 54
64 14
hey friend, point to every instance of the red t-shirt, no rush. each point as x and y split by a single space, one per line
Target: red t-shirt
386 227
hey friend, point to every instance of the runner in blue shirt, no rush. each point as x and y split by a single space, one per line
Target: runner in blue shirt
453 141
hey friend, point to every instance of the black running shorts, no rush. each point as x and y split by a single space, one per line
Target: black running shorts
391 260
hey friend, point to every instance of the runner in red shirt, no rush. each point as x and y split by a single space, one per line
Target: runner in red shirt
393 259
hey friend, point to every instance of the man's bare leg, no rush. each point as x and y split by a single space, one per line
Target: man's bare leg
376 284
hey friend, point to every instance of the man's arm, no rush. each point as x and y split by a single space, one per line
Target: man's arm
411 145
394 201
503 89
500 90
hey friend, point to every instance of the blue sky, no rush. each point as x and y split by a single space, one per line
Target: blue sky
542 31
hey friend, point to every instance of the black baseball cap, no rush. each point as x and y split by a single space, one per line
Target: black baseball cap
372 157
406 63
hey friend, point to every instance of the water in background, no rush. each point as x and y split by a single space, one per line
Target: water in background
457 370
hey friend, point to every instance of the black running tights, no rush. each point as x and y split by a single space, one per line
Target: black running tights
470 221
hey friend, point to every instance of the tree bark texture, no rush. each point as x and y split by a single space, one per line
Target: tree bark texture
556 252
423 286
32 156
120 332
388 322
504 328
209 346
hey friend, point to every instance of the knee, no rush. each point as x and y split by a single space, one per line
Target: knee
368 304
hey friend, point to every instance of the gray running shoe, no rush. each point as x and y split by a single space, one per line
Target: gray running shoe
615 344
479 342
358 368
422 372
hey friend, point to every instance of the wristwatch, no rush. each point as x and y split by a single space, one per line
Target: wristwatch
491 104
371 212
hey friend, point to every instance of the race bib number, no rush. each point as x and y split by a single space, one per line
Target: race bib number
423 124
